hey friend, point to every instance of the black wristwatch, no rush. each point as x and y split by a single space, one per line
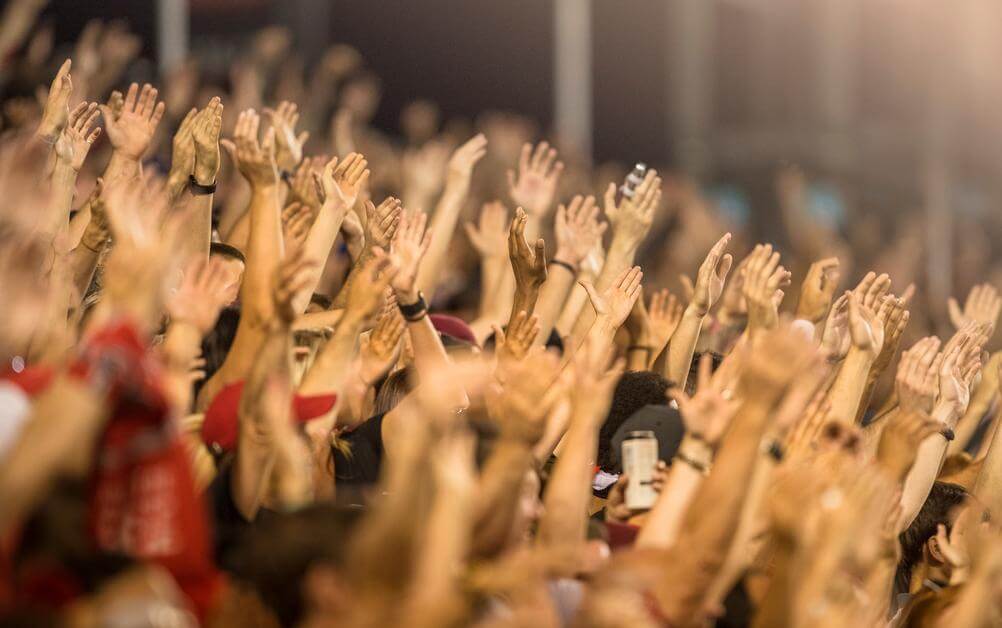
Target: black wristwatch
415 311
197 189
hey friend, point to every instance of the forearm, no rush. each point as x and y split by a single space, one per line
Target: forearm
83 262
551 300
492 270
264 251
568 491
333 364
256 451
182 345
988 486
981 401
576 300
196 237
920 479
498 493
318 245
847 390
711 521
121 167
683 346
443 225
45 446
430 357
664 521
63 184
619 258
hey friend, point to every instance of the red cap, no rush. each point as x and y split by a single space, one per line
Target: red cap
452 326
220 427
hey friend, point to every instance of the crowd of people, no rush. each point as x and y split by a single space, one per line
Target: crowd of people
267 365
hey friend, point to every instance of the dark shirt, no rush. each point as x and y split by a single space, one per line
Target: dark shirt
358 470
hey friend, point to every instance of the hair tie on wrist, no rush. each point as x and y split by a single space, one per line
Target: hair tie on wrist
646 348
948 434
570 268
695 464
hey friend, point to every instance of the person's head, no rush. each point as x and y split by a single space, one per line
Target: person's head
690 383
635 390
918 540
295 561
395 387
233 265
218 341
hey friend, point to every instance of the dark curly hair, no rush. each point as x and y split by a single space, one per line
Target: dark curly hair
634 390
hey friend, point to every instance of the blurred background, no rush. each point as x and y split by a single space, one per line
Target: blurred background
889 106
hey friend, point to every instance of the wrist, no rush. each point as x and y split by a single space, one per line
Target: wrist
204 176
566 259
47 132
946 413
694 311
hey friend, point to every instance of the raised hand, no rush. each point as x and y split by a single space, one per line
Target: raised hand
182 158
894 327
708 412
535 184
132 131
57 109
763 283
776 358
410 243
866 327
665 313
515 344
201 295
631 220
303 187
818 289
378 351
983 305
528 263
711 276
78 135
205 130
367 295
958 364
521 408
916 382
296 222
288 145
254 159
466 157
291 277
872 289
577 230
341 183
490 235
835 339
616 302
381 222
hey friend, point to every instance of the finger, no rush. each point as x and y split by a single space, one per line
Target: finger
130 97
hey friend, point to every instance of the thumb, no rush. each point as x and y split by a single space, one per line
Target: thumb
305 135
109 117
231 149
610 197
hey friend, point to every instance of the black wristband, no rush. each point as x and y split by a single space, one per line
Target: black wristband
775 451
695 464
569 267
197 189
286 176
948 434
415 311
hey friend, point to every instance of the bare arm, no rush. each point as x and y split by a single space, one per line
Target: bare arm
443 224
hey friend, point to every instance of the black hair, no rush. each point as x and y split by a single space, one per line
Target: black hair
227 250
218 341
943 499
634 390
715 361
277 552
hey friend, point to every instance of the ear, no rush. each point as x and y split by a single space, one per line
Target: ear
933 551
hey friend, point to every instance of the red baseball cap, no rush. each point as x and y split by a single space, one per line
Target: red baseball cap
220 427
453 326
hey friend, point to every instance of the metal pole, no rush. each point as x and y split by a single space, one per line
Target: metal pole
172 33
572 70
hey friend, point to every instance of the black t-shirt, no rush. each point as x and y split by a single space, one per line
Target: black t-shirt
230 524
359 469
